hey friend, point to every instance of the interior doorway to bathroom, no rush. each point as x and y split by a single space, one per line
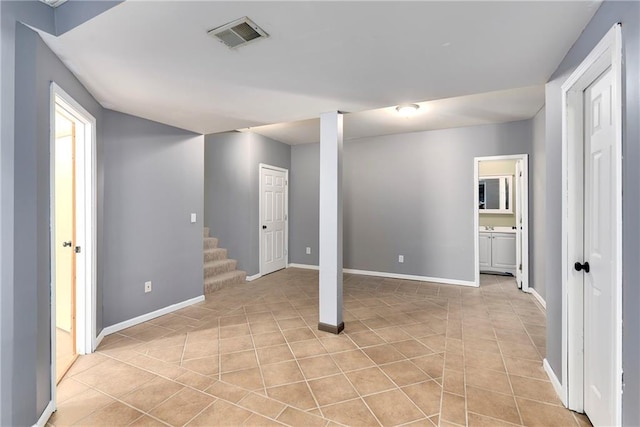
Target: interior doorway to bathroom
73 232
501 217
64 187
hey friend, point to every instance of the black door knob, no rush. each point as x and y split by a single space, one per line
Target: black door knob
66 244
264 227
580 267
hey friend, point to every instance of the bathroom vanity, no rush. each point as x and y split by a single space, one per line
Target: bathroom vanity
497 250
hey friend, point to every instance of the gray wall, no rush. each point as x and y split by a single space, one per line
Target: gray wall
231 190
304 204
537 197
28 68
628 13
153 181
409 194
21 395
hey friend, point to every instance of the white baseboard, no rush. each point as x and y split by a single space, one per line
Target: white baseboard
394 275
46 414
99 339
145 317
411 277
305 266
254 277
537 296
555 381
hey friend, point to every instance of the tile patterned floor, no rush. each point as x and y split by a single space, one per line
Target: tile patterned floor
412 354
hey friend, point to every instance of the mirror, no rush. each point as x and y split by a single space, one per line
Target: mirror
495 194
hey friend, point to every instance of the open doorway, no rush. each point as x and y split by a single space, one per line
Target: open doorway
73 232
65 235
502 217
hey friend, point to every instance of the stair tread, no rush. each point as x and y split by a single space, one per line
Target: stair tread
225 276
219 262
219 271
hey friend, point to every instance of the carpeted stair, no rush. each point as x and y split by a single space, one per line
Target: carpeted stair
218 270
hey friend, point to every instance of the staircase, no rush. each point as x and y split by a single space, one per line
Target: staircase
218 270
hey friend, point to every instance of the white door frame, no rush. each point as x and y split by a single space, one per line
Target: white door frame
608 53
262 166
525 214
86 225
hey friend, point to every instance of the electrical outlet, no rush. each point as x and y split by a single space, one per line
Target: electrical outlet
308 251
193 218
401 258
147 287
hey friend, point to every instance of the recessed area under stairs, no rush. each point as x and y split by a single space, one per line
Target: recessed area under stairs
219 271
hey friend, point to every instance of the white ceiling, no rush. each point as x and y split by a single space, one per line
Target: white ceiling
492 107
153 59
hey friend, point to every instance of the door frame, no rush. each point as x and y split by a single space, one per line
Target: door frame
607 53
262 166
525 214
86 226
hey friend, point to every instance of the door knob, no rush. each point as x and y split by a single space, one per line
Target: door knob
580 267
66 244
264 227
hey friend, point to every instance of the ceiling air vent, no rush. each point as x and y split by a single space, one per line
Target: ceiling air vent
238 33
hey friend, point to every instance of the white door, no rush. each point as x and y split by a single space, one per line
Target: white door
273 217
503 251
599 323
65 241
484 243
518 210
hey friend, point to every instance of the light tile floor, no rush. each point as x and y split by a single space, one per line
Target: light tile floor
412 353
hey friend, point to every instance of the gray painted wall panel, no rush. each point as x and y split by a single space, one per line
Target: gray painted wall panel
304 204
231 190
408 194
226 199
36 67
20 395
537 211
611 12
25 232
153 180
30 269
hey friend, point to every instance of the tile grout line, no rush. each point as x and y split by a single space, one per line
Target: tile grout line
387 376
118 400
464 363
301 371
344 374
513 394
255 352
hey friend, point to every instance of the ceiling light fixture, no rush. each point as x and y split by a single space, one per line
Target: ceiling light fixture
407 110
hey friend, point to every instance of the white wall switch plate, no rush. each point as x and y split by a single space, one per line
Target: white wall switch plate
400 258
193 218
147 287
308 251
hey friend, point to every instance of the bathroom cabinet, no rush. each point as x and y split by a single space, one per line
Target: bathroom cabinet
498 252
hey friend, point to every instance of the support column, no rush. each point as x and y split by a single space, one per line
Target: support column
330 316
